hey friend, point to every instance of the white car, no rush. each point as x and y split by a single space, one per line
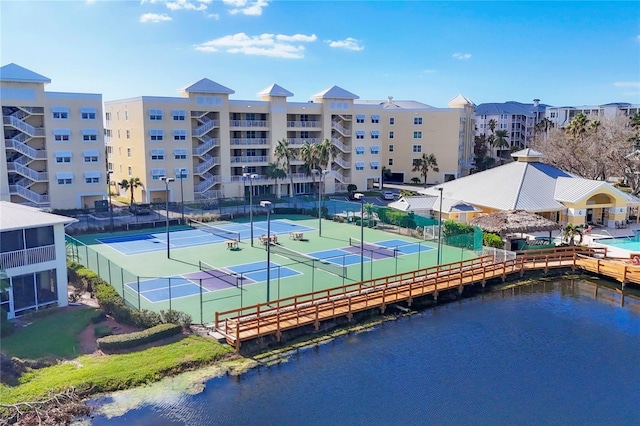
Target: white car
388 195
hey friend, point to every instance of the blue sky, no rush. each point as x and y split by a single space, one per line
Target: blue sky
564 53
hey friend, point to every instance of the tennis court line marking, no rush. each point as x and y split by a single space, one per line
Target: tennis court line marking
142 294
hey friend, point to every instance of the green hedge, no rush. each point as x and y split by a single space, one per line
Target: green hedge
130 340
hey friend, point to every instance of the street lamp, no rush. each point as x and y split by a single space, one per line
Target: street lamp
167 181
251 177
267 206
183 172
440 229
244 189
321 174
109 173
360 196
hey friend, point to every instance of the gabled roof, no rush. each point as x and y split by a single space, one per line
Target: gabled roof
335 92
275 90
570 190
527 153
18 216
460 100
207 86
13 72
410 204
510 107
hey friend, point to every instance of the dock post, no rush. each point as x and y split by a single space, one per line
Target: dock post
435 296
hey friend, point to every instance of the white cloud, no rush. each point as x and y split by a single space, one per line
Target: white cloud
627 84
246 7
348 43
214 16
276 46
154 18
186 5
461 55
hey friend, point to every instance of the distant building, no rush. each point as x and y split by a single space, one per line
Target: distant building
518 119
53 152
213 140
562 116
33 259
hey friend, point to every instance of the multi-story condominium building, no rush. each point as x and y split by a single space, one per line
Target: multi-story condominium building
517 119
213 141
562 116
54 146
33 259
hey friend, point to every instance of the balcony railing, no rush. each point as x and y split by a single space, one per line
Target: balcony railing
15 259
207 164
206 127
30 173
339 127
23 148
209 143
23 127
250 141
305 124
250 159
342 147
248 123
28 194
300 141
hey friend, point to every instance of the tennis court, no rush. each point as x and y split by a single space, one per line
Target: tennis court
201 275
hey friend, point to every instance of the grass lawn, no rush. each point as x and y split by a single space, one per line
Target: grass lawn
115 372
54 335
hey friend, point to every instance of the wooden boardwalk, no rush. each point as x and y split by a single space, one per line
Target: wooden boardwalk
247 323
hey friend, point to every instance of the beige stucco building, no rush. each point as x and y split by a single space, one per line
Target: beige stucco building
54 146
213 140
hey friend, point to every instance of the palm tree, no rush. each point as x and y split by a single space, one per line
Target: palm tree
424 164
491 140
368 208
309 154
634 122
284 155
570 232
273 171
501 140
577 126
131 185
386 175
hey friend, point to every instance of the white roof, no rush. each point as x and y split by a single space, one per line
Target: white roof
527 152
410 204
460 100
335 92
207 86
275 90
13 72
18 216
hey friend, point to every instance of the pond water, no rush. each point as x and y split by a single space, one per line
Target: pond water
552 354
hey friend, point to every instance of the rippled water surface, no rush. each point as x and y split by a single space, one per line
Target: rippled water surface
550 356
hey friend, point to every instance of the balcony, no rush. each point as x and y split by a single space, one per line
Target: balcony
249 141
305 124
15 259
250 159
248 123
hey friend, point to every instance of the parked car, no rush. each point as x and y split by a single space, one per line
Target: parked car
388 195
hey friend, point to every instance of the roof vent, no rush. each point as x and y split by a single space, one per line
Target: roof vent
390 99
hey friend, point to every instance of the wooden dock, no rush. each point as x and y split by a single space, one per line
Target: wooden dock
251 322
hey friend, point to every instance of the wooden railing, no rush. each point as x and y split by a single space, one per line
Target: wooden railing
275 317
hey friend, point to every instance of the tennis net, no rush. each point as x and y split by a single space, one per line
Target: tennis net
374 248
219 232
229 278
308 260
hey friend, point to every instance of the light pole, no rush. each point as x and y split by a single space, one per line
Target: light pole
182 173
109 172
440 229
360 196
321 174
267 206
244 189
251 177
167 181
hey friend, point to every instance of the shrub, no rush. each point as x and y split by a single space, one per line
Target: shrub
98 317
492 240
102 330
130 340
6 327
176 317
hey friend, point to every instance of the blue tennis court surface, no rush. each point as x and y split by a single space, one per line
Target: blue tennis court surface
337 257
159 289
257 271
405 247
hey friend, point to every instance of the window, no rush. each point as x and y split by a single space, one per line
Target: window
503 126
360 118
179 115
416 161
88 113
303 135
157 154
375 118
417 121
155 114
375 134
89 135
63 156
359 134
391 134
417 134
417 148
90 156
126 115
179 135
60 113
61 135
391 161
375 149
91 177
156 173
359 150
64 178
392 121
359 165
107 116
390 148
156 135
504 116
553 115
374 165
180 153
129 171
129 152
128 134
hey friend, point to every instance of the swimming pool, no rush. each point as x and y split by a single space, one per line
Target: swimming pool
631 243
